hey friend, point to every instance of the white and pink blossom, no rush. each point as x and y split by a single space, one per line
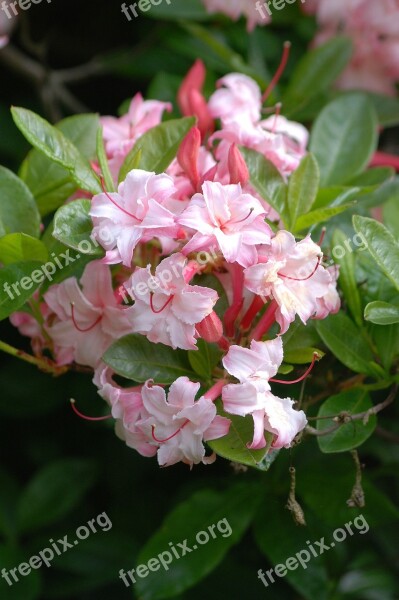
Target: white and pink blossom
225 216
87 320
254 367
139 211
167 309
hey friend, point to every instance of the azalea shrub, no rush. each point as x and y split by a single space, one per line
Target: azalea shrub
216 267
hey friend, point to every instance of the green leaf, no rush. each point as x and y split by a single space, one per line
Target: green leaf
302 188
336 196
103 162
51 184
344 339
381 313
233 446
27 588
19 247
51 142
318 69
155 150
387 109
352 434
230 512
179 9
18 210
373 176
344 138
205 359
73 227
381 244
347 278
17 286
279 538
319 216
54 492
267 181
302 356
134 357
391 212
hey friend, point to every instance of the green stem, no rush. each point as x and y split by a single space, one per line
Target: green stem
42 363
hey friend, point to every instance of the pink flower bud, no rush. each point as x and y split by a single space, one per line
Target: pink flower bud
194 80
237 166
188 155
210 329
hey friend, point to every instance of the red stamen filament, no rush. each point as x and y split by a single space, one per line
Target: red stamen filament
170 437
305 278
308 370
116 204
154 310
276 116
77 326
279 72
322 236
245 218
86 418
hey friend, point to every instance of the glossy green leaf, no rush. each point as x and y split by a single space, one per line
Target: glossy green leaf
381 313
54 492
134 357
205 359
373 176
51 142
381 244
347 279
50 183
352 434
18 210
230 512
318 69
233 446
302 188
387 108
302 356
73 227
319 216
103 162
17 286
19 247
267 181
155 150
344 138
344 339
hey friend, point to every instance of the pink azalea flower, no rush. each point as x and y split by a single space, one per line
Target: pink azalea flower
225 216
167 309
178 424
238 99
253 367
87 320
235 8
120 134
137 212
292 274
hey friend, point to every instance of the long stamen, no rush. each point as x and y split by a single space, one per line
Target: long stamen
245 218
322 236
308 370
154 310
85 417
77 326
116 204
276 116
168 438
305 278
279 72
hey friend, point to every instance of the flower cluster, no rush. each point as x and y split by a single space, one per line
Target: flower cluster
181 243
374 30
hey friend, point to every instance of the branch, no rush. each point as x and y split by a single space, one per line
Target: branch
44 364
345 417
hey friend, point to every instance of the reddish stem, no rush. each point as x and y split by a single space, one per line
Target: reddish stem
256 305
267 320
215 391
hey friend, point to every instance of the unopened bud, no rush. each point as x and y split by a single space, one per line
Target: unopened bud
210 329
